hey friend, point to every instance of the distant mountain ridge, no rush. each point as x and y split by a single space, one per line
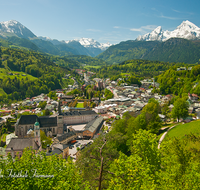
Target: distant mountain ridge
84 46
172 50
88 42
180 45
186 30
175 50
92 45
127 50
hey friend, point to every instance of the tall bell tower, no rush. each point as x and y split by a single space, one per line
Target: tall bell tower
37 133
60 120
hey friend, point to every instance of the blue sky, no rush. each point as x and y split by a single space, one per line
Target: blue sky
103 20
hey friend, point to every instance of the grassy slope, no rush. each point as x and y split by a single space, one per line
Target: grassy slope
4 73
90 66
2 92
181 130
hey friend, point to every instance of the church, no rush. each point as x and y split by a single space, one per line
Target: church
55 124
17 145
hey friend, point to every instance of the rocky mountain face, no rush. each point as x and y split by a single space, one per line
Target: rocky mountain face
91 45
13 27
186 30
83 46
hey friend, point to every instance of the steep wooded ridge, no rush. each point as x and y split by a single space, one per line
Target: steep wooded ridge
27 73
71 57
180 82
175 50
123 51
172 50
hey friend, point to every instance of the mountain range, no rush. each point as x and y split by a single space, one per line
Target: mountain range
179 45
172 50
186 30
84 46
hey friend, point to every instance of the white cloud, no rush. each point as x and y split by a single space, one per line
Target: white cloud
177 11
144 28
136 29
167 17
149 27
116 27
160 14
93 30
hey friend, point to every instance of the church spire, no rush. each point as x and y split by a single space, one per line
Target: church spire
37 133
59 108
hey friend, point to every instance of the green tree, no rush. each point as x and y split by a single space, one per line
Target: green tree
151 111
52 95
180 164
141 169
165 110
42 105
44 139
61 174
94 160
180 109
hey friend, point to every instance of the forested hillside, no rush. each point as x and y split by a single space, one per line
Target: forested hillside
173 50
179 82
126 50
26 74
43 46
83 59
141 68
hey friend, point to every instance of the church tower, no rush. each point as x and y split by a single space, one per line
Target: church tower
37 133
60 120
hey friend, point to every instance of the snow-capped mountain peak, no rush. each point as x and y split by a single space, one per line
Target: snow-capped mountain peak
187 25
88 42
158 30
156 34
186 30
16 28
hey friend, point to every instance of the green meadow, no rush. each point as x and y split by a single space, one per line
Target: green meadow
17 74
181 130
80 105
91 66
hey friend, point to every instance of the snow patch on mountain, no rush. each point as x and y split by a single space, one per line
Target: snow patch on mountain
88 42
15 27
44 38
186 30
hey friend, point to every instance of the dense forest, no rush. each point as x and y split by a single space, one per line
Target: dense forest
83 59
127 50
141 68
27 73
173 50
180 82
176 50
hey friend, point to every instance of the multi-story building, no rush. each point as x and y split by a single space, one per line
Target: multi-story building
53 125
